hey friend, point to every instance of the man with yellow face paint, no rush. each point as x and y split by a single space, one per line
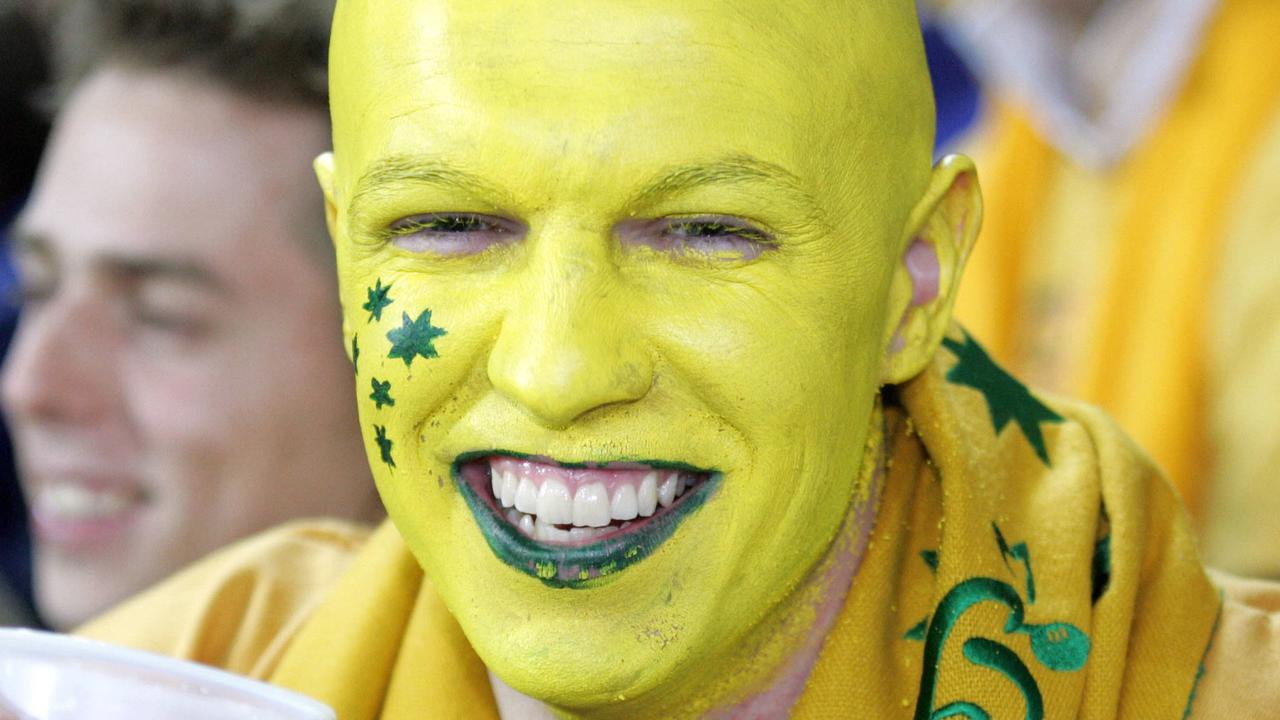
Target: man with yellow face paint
664 402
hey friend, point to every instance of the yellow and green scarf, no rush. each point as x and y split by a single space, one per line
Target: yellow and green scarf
1027 562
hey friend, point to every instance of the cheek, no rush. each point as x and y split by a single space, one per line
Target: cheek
779 360
418 350
177 398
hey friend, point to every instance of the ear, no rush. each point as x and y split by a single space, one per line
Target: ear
323 166
932 253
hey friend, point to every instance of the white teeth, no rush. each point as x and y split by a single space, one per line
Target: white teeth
509 487
548 532
624 505
591 506
667 490
555 505
579 534
74 501
647 497
543 510
526 496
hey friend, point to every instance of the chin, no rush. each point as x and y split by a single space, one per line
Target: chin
656 627
68 594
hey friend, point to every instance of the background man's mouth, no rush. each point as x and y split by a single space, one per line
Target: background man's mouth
570 524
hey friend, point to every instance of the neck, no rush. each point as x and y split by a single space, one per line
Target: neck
753 689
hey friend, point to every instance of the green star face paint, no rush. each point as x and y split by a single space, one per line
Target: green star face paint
378 300
414 338
381 394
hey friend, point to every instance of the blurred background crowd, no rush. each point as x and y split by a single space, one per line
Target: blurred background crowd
174 376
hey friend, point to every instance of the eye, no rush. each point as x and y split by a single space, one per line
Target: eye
713 236
170 310
37 282
452 233
176 324
30 293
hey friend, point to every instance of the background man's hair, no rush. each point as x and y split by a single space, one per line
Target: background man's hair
271 50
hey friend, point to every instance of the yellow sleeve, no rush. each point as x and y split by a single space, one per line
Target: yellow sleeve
1239 677
238 608
1243 351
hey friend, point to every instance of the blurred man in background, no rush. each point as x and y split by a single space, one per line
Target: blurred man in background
1130 157
178 379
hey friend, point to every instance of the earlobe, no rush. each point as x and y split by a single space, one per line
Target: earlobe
935 247
323 166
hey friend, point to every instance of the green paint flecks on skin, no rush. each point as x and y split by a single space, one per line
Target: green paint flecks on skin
378 300
414 338
381 394
1007 399
384 444
576 567
355 353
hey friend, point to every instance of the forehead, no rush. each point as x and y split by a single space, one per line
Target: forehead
621 84
155 163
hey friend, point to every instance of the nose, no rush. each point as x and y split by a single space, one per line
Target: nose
569 343
59 367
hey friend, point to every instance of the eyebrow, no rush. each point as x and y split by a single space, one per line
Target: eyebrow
731 170
389 172
386 174
132 269
138 269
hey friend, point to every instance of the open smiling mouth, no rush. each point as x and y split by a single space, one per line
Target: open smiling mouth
572 525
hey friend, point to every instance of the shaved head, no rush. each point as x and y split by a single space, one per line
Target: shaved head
851 75
666 234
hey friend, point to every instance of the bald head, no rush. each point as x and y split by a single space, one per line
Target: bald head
666 229
847 81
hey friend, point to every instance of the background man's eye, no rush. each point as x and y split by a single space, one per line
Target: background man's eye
712 236
452 233
30 294
178 325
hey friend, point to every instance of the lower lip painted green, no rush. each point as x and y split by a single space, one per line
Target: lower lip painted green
581 567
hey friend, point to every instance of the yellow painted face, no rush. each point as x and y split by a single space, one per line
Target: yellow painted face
598 244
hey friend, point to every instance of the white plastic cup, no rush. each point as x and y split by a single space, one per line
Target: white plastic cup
46 676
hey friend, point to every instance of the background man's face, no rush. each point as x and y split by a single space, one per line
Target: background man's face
630 236
177 380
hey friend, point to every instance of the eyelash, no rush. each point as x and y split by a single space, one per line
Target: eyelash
465 234
444 224
448 233
719 228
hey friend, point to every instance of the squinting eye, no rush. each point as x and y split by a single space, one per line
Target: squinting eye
452 233
30 294
713 236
